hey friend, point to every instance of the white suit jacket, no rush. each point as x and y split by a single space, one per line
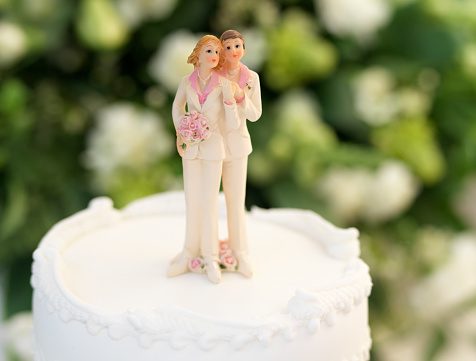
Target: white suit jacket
238 139
220 116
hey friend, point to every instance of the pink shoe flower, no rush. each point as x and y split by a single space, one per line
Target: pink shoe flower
196 264
228 260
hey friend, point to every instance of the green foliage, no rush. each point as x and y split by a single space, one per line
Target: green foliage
297 55
99 25
82 56
413 141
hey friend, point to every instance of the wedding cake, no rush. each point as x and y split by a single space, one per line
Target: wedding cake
101 292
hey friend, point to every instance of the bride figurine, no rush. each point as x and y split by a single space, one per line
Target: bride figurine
211 110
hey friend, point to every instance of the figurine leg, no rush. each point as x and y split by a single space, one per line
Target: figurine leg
209 183
191 248
234 187
192 172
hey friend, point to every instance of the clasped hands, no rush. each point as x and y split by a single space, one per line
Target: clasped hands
232 91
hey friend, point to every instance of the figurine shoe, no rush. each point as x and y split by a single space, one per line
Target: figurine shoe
178 266
244 266
213 272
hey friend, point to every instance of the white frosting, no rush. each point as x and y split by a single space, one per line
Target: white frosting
99 280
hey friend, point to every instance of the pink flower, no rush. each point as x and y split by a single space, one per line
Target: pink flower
224 245
194 124
187 134
228 260
194 114
184 121
249 83
195 263
205 133
196 136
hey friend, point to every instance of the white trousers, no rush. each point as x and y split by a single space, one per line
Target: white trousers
202 185
234 187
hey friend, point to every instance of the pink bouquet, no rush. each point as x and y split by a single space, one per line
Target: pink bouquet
193 128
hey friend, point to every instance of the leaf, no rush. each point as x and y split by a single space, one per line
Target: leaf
15 211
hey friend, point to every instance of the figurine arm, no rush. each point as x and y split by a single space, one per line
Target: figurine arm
250 107
178 107
231 110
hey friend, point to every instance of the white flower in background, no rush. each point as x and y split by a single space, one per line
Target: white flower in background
375 99
463 326
378 100
465 202
298 112
298 123
358 19
433 246
256 49
169 64
136 11
392 191
358 193
344 190
460 332
18 336
450 285
13 43
126 136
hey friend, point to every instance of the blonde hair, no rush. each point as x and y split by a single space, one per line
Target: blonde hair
204 40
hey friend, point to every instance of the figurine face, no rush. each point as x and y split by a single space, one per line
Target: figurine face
210 54
233 50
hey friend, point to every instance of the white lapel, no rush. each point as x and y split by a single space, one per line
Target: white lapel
193 96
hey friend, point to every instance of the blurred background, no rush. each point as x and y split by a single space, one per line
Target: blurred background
369 118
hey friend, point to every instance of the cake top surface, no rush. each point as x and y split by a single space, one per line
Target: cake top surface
121 267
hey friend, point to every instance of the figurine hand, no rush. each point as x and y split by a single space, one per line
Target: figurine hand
182 144
239 93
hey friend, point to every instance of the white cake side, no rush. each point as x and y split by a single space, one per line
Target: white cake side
319 310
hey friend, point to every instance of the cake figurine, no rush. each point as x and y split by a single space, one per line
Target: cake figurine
248 99
203 111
